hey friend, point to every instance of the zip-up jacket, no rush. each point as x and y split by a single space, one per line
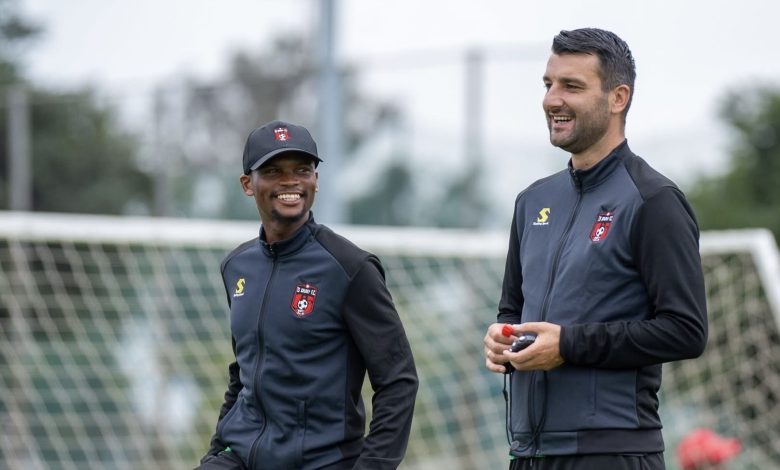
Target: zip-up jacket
309 316
611 254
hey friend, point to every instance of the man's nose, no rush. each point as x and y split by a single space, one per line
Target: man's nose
552 99
289 177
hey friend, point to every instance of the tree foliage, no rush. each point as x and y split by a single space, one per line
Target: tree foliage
389 202
280 82
81 159
748 193
15 33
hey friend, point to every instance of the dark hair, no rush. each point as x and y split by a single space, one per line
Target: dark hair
615 59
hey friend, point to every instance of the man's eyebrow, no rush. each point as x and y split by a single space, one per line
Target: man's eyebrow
566 80
574 80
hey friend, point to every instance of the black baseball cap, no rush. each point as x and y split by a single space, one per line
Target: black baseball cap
274 138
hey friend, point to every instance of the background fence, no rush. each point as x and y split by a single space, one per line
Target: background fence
114 342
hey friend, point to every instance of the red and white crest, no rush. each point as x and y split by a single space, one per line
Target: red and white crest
281 133
303 300
601 227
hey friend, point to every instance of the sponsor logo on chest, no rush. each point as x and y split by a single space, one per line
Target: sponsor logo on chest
600 229
544 216
239 290
303 299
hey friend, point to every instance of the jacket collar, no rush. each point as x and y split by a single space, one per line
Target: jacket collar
584 180
291 244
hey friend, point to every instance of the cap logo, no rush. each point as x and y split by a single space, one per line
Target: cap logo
281 133
302 303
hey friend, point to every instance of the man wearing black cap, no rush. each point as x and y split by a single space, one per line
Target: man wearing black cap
309 315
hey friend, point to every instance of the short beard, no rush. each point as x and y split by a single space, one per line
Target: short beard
595 126
288 220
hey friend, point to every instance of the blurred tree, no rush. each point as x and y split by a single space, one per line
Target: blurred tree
461 205
280 82
277 83
388 202
81 160
748 193
15 33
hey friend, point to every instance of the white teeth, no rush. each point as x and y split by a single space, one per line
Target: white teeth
561 118
289 197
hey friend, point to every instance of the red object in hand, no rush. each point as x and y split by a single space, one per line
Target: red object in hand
507 330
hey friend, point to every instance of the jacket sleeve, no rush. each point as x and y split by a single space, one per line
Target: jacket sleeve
510 307
665 245
231 394
377 331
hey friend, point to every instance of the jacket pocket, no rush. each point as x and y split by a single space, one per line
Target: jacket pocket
587 398
231 412
241 427
571 402
281 447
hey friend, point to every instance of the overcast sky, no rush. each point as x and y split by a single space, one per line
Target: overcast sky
688 53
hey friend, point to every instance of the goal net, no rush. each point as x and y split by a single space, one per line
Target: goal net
114 342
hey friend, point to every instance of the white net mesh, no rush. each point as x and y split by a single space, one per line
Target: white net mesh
114 342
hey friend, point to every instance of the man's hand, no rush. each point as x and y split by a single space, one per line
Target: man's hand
495 346
543 354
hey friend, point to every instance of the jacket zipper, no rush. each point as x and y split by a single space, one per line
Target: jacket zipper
559 251
261 356
550 283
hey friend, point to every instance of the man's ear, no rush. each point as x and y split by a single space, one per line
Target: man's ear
246 184
620 95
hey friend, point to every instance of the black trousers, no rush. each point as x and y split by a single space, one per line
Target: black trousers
592 462
222 461
229 461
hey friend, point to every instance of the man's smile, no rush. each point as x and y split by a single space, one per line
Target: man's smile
288 197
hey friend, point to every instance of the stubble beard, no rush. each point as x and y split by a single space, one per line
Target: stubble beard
277 217
590 126
286 219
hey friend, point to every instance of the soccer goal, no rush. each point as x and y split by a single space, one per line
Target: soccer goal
114 342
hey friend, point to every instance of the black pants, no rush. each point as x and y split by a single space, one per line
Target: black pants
592 462
229 461
222 461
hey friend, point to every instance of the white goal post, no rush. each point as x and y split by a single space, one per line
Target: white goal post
114 341
761 246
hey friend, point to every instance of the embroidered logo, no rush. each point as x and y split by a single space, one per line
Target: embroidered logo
601 227
303 300
281 133
239 287
544 214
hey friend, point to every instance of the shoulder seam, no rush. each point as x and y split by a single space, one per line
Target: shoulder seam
537 183
666 182
361 255
235 252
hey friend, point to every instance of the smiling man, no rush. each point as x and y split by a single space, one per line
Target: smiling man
603 273
309 314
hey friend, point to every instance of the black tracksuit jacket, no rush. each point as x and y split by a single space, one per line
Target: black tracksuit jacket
309 316
611 254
